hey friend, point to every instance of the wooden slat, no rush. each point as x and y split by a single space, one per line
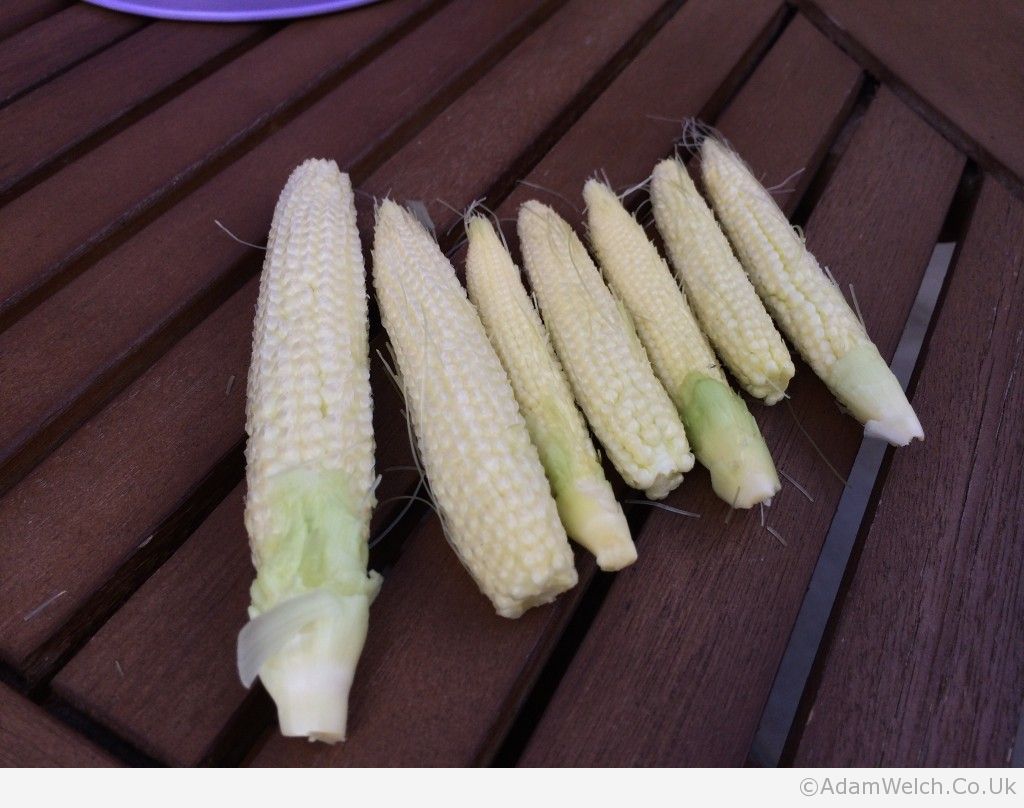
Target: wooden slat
174 685
18 14
681 656
85 332
50 46
926 665
30 737
960 62
205 419
49 121
57 221
543 75
442 676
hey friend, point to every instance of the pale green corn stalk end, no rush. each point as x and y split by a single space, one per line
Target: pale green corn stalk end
721 430
309 458
586 503
808 306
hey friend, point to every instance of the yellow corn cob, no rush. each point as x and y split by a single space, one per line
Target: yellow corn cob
721 430
585 499
719 291
309 458
606 365
484 473
807 305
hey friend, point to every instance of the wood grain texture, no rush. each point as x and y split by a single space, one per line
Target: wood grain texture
97 321
478 139
442 677
91 331
681 656
210 423
55 222
18 14
30 737
926 664
162 672
43 125
52 45
959 63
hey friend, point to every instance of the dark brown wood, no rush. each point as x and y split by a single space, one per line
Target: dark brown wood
149 280
446 162
681 656
56 222
926 664
162 672
212 423
30 737
18 14
52 45
443 686
46 123
958 63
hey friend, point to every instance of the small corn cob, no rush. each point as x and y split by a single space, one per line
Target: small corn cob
590 513
484 474
309 458
607 366
719 291
807 305
721 429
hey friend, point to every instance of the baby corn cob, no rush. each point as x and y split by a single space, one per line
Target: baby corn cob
808 306
484 474
309 458
585 499
607 367
719 291
721 429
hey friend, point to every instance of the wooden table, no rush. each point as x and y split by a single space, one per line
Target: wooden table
888 629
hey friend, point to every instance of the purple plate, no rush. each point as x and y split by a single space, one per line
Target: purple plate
228 10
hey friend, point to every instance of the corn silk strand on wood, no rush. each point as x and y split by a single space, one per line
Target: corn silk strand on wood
724 436
309 458
810 309
586 503
720 292
607 366
484 473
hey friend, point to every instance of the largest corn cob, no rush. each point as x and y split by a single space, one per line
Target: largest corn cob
809 307
585 499
605 362
484 472
721 429
309 459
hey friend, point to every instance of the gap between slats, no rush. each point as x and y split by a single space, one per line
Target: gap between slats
938 120
34 36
